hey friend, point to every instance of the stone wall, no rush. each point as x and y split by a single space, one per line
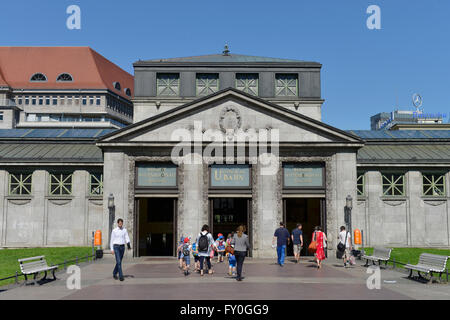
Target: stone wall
44 220
412 220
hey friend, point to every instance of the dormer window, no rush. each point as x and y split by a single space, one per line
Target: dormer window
207 83
128 92
286 85
117 86
64 77
38 77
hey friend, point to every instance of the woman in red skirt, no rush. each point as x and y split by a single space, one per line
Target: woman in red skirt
320 239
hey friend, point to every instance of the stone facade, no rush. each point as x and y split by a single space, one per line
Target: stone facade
412 220
409 220
266 192
44 220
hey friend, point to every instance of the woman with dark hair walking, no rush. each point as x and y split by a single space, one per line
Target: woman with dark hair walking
241 245
205 244
320 238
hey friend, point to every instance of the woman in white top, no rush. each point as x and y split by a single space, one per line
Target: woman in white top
205 244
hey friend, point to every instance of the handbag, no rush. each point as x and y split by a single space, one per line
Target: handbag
313 245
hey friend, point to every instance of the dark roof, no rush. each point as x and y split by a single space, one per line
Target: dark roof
50 152
226 59
401 134
54 133
404 154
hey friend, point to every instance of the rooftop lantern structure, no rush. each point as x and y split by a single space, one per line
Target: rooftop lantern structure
226 51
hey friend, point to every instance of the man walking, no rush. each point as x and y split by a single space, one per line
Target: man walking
297 240
119 237
346 243
281 236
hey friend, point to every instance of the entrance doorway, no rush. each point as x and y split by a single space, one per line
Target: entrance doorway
156 226
307 211
226 214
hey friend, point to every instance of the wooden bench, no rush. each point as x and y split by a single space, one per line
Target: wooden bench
428 263
34 265
379 254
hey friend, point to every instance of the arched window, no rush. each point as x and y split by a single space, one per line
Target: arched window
64 77
38 77
128 92
117 85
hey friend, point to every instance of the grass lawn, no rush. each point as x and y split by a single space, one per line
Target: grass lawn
411 255
9 264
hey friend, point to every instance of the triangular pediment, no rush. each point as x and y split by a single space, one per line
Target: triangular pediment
233 110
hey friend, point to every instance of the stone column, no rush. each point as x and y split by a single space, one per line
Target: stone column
415 217
375 216
192 214
40 189
447 189
116 181
344 184
3 193
78 216
267 212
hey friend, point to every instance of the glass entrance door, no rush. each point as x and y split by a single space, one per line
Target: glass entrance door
156 226
306 211
227 214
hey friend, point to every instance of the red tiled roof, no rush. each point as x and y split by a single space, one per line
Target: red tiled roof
2 80
89 69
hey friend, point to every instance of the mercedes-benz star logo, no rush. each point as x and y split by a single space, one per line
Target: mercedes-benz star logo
417 100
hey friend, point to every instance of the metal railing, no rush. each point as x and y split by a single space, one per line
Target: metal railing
395 263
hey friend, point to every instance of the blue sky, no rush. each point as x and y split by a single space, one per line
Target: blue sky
364 71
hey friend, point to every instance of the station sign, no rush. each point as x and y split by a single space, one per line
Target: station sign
156 175
230 176
300 175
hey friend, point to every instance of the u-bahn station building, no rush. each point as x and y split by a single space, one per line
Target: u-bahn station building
180 162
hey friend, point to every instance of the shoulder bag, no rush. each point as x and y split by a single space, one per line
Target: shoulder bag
313 246
341 246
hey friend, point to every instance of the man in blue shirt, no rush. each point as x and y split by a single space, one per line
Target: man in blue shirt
297 240
281 236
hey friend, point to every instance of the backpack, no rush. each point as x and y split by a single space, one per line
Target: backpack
203 243
186 250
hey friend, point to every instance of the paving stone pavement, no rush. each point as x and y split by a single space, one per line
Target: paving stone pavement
160 279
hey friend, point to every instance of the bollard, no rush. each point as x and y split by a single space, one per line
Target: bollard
393 262
76 260
87 259
92 243
65 261
17 277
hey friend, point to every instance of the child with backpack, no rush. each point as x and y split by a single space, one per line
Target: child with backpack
231 261
220 245
186 255
180 258
196 258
